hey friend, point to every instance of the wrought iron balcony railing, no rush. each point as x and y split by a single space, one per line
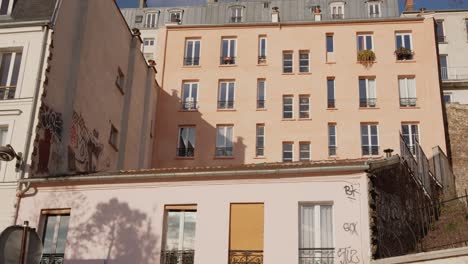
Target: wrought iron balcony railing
192 61
7 92
374 14
408 101
367 102
337 16
52 259
225 104
223 151
370 150
331 151
177 257
331 103
245 257
259 151
189 105
262 59
228 60
260 104
185 152
316 255
236 19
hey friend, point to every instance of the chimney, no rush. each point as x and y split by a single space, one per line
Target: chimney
142 4
275 15
409 5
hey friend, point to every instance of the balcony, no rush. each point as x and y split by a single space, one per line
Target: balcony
331 103
191 61
259 151
454 73
228 60
186 152
236 19
260 104
316 255
367 102
223 151
189 105
225 104
374 14
337 16
442 39
332 151
262 59
245 257
52 259
7 92
404 54
370 150
408 102
177 257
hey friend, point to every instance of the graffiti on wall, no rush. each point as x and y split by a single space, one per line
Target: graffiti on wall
351 191
348 255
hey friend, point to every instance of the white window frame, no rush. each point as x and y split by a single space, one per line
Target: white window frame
291 151
307 68
257 136
264 93
236 14
186 138
292 107
9 8
230 52
368 91
337 10
410 134
336 139
317 222
45 215
226 99
153 19
181 227
177 13
407 90
369 139
228 142
192 87
371 5
301 104
192 55
148 42
11 67
292 61
365 41
302 143
262 54
403 42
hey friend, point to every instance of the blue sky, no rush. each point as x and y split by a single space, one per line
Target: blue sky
429 4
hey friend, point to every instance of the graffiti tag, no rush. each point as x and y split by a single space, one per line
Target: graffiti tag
348 255
351 191
351 228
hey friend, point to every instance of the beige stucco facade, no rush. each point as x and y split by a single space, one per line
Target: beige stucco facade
296 37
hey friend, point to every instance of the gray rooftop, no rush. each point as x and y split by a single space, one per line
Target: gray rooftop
30 10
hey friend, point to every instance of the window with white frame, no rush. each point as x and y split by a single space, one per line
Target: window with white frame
304 61
228 50
262 49
304 151
337 10
5 7
369 139
175 16
10 64
3 135
260 140
54 235
261 93
447 98
404 47
466 28
440 31
331 93
226 95
329 43
410 133
407 88
189 95
304 106
148 42
331 139
186 144
236 14
374 8
224 146
151 20
138 19
316 233
287 61
180 229
288 151
192 52
367 92
365 42
288 107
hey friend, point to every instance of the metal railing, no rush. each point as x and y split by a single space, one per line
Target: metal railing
228 60
259 151
370 150
316 255
454 73
223 151
331 151
52 259
189 105
225 104
7 92
367 102
443 172
262 59
192 61
374 14
408 101
245 257
177 257
185 152
260 104
331 103
337 16
236 19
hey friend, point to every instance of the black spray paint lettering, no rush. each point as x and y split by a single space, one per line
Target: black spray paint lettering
351 192
351 228
348 256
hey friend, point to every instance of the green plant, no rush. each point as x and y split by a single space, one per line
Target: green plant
366 57
403 53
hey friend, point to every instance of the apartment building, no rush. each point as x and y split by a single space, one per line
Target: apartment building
452 39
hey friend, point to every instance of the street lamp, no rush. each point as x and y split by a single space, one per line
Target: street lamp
7 153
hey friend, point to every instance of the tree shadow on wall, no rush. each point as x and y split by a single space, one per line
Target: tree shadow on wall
117 233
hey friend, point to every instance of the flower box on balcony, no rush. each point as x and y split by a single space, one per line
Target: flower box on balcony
404 54
366 57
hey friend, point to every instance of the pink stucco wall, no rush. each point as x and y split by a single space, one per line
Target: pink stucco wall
295 37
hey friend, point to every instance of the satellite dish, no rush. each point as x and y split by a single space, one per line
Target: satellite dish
13 245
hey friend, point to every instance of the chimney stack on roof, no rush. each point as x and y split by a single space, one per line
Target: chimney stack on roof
409 5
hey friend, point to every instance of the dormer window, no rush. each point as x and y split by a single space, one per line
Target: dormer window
374 8
5 7
337 10
236 14
175 16
151 20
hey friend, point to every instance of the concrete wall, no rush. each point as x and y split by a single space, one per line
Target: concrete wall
123 223
81 99
346 71
447 256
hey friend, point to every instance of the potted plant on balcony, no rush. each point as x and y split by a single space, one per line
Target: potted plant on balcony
403 53
366 57
227 60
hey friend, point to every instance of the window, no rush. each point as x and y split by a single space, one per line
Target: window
180 229
304 108
367 92
5 7
120 80
151 20
189 95
365 42
262 50
54 235
288 151
330 46
304 151
266 4
260 142
331 93
369 139
315 9
407 86
441 38
228 52
287 107
287 61
403 46
3 135
10 63
192 52
374 8
113 137
466 28
410 133
226 95
175 16
148 41
331 140
138 19
236 14
447 98
224 141
148 56
443 61
316 234
246 233
261 94
303 61
337 10
186 145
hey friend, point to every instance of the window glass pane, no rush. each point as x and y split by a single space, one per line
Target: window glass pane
364 135
220 141
225 48
330 43
231 92
326 226
407 41
173 229
360 42
4 7
222 92
369 42
362 89
62 234
232 48
197 49
228 137
331 133
440 28
189 230
16 68
331 89
5 68
191 137
399 41
189 49
48 240
307 233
